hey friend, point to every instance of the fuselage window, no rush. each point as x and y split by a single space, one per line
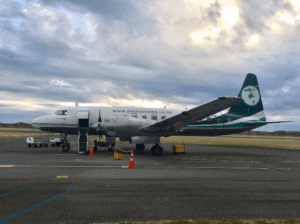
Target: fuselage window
163 117
134 115
144 117
228 119
219 121
154 117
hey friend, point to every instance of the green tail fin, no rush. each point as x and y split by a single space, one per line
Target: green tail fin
252 104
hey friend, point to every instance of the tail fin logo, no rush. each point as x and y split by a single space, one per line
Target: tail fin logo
250 95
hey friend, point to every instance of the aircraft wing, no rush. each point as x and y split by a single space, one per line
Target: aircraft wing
191 116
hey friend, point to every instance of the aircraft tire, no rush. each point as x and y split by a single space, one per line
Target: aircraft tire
46 145
86 153
35 145
29 145
52 145
140 147
57 144
95 148
110 149
156 150
41 145
65 148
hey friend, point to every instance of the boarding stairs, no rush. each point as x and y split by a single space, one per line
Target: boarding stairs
83 131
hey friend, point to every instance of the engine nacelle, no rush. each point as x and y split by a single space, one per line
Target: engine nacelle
145 140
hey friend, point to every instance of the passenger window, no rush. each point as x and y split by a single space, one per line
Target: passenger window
163 117
134 115
154 117
144 117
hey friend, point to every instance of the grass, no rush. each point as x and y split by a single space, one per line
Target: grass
254 221
286 143
19 129
5 135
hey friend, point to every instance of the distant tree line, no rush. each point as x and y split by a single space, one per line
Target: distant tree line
16 125
274 133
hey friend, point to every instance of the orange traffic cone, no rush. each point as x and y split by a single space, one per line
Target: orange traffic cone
91 151
131 164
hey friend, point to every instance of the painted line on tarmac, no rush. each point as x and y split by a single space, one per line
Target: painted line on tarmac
62 177
66 166
7 166
11 192
35 206
252 165
231 168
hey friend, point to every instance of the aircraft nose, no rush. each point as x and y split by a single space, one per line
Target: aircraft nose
37 121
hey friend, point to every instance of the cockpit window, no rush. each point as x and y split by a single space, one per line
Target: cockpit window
61 112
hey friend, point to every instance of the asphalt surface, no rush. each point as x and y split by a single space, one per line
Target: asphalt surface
45 185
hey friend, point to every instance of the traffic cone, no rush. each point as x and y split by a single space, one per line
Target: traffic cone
91 151
131 164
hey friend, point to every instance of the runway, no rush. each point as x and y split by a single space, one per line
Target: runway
45 185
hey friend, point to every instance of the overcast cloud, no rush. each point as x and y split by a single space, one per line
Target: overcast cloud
147 53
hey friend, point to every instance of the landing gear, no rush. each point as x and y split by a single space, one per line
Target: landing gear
140 147
156 150
66 148
66 142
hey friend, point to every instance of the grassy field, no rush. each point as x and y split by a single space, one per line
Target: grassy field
254 221
6 135
19 129
286 143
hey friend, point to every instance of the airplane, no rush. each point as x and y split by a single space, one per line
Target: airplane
142 126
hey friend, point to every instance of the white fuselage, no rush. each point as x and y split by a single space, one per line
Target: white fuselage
119 121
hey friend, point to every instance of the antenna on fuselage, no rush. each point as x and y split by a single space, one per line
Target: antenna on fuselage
165 106
76 104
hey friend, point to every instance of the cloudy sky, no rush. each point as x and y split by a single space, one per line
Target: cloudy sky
147 53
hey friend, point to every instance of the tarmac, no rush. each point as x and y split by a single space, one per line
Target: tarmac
45 185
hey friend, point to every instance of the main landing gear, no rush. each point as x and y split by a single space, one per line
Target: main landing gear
156 150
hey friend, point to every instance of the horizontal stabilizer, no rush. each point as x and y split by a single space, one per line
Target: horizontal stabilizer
267 122
188 117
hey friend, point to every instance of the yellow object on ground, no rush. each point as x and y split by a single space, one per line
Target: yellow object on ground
178 149
118 156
